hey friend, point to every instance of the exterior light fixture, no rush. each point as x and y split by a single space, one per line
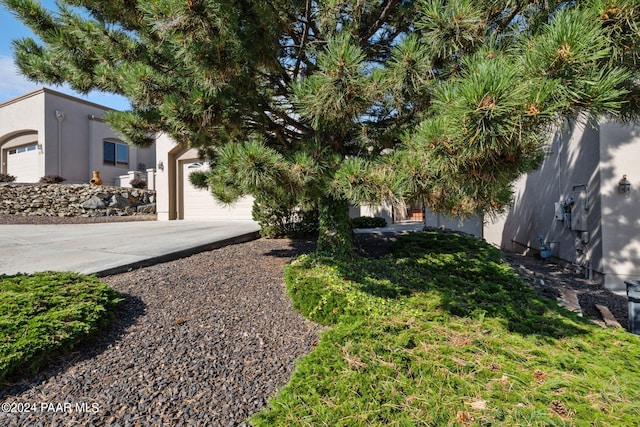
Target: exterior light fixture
161 165
624 186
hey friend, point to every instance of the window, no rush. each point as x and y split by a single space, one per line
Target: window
23 149
116 153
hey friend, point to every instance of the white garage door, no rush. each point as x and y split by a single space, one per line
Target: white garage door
22 162
200 204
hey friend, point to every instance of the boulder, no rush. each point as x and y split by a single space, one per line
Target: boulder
119 202
94 202
147 209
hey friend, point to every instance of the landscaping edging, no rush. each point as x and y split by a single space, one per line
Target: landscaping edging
74 200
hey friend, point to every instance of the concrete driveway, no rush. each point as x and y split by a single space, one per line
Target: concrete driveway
110 248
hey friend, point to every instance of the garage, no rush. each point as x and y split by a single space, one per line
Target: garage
23 163
199 204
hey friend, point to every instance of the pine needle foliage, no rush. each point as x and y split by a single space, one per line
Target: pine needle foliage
445 102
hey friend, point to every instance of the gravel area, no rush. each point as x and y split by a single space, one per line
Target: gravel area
547 277
204 340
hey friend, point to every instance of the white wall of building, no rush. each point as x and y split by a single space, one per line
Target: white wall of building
466 225
620 213
570 170
165 209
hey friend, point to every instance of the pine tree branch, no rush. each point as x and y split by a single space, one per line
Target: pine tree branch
288 120
503 23
305 32
382 19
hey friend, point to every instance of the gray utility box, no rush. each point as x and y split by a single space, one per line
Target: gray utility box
633 294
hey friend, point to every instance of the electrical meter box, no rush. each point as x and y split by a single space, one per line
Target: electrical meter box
579 214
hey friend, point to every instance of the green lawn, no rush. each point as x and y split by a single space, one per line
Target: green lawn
443 333
45 313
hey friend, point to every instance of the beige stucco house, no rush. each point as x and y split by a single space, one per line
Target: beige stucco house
575 202
49 133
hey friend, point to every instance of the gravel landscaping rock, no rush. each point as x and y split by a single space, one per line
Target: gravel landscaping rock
204 340
547 277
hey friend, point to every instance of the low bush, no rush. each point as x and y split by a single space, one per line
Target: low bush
442 333
46 313
6 177
321 292
368 222
281 219
52 179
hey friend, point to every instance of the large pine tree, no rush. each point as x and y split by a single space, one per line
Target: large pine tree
330 102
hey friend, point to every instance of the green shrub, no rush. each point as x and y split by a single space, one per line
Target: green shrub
6 177
368 222
45 313
282 219
52 179
442 333
326 290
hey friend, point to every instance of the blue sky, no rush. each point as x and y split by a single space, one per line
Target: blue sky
13 84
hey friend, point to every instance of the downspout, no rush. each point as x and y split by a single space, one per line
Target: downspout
558 168
60 117
92 119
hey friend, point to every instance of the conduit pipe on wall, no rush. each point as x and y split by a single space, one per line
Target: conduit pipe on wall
60 117
92 166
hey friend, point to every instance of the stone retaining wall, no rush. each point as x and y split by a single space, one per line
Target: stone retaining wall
82 200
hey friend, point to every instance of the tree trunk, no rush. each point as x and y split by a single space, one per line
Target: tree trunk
334 239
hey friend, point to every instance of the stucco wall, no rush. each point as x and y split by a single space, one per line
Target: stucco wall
570 170
82 133
620 155
164 186
469 225
140 159
598 157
